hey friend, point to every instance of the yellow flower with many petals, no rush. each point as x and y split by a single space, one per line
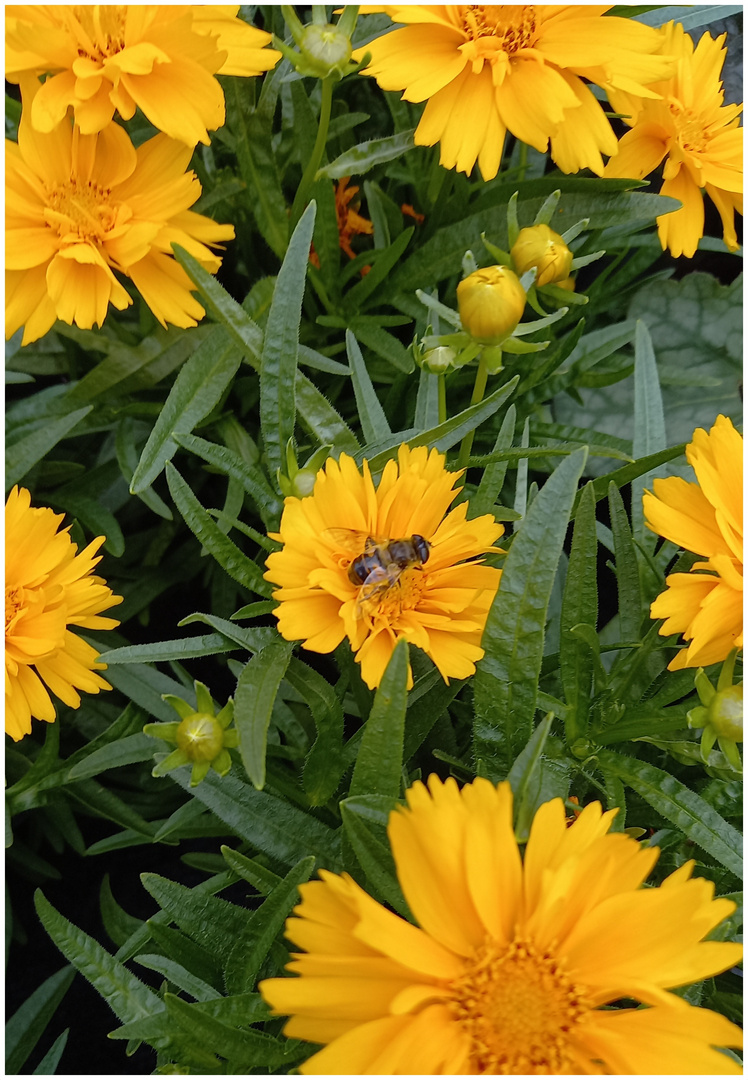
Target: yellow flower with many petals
116 57
485 69
706 518
439 603
694 133
512 965
49 586
79 207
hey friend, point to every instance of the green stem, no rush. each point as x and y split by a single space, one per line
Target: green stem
522 162
479 390
442 388
310 172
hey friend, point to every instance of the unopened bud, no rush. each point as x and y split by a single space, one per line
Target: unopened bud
439 360
490 302
541 247
326 50
725 713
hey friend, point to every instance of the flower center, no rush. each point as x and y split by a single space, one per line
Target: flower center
691 133
80 211
510 27
401 594
519 1008
14 606
100 29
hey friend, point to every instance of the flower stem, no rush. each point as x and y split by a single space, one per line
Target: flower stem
442 390
307 179
479 389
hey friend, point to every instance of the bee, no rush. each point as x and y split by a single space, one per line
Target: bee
383 561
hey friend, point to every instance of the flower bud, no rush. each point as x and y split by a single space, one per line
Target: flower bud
439 360
326 50
725 713
490 302
200 736
543 248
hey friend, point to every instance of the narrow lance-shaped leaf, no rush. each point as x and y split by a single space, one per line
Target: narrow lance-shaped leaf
373 420
21 456
579 606
255 696
649 422
236 564
196 391
492 480
280 348
24 1029
506 680
359 159
325 764
379 763
627 569
699 821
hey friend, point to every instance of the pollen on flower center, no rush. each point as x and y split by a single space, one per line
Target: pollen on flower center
100 29
518 1006
512 27
14 604
402 595
80 208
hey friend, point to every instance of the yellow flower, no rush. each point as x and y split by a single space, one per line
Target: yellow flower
49 586
706 518
511 964
115 57
78 207
540 246
697 136
485 69
490 302
440 604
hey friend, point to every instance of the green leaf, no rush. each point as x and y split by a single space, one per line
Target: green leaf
382 263
22 455
211 922
359 159
627 569
126 995
267 823
48 1065
373 420
427 402
506 680
445 435
252 130
178 975
245 1049
379 763
680 806
281 343
492 480
536 778
255 696
630 472
186 952
251 477
262 928
325 764
258 876
649 423
117 923
579 606
320 419
157 652
236 564
197 390
24 1029
382 343
365 820
123 752
106 804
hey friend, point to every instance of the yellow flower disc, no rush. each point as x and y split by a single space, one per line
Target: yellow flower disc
439 605
515 965
706 604
49 586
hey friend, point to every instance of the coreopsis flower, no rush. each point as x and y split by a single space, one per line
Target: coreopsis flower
49 586
80 207
490 303
694 133
375 563
107 58
485 69
706 604
201 736
541 247
513 965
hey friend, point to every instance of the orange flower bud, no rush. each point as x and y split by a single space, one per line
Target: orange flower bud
490 302
540 246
